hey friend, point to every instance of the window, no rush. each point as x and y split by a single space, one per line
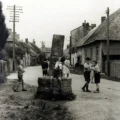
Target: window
97 53
85 53
91 53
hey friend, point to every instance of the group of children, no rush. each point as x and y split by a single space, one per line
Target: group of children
61 67
91 73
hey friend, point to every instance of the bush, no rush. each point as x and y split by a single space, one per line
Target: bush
3 30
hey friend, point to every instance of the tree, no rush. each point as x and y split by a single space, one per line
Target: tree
19 52
41 57
3 30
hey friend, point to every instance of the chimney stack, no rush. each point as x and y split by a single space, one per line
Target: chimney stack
103 19
26 40
86 28
34 41
93 26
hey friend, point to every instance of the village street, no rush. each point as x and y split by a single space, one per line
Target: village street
87 106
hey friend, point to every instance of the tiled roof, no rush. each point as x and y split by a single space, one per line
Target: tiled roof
101 32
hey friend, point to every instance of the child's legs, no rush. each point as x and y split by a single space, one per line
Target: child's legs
67 74
17 86
97 86
22 84
21 81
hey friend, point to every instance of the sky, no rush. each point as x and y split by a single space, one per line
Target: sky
41 19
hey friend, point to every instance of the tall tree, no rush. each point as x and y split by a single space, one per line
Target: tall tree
3 29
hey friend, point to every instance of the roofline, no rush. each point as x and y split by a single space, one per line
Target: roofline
75 29
97 41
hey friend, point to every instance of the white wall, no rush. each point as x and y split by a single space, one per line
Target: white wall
73 59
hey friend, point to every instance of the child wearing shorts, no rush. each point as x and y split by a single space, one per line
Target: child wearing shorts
97 76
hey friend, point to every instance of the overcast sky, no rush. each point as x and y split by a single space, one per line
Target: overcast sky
43 18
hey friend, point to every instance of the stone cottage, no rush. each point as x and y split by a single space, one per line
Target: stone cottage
94 44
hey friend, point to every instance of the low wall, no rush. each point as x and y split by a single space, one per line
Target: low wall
3 71
114 68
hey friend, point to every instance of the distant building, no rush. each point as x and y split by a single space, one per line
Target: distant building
76 37
66 52
34 51
47 51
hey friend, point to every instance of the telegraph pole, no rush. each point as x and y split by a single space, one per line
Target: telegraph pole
70 49
14 17
108 43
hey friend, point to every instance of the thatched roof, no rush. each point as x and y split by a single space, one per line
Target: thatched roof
35 48
83 40
101 32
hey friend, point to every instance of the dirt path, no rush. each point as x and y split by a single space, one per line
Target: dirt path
87 106
23 105
91 106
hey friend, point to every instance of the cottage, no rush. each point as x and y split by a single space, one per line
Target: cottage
46 51
94 44
34 52
76 37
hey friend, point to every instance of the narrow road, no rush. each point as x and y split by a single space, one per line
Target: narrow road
87 106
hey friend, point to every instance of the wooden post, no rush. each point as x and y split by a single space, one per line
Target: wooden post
108 62
70 49
14 38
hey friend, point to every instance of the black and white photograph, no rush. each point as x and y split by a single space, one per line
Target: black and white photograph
59 60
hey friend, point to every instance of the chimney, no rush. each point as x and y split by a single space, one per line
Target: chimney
86 28
93 26
26 40
103 19
34 41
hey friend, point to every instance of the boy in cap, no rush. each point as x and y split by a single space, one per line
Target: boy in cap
45 67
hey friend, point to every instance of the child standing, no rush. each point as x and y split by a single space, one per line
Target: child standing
66 66
97 77
45 67
20 78
86 75
92 74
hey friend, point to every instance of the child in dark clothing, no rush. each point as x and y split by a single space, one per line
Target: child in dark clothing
97 76
86 75
45 67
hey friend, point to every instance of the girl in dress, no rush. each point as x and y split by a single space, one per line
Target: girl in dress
66 66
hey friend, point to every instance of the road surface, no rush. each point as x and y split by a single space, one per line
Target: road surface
87 106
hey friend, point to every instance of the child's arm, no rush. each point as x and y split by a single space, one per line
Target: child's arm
22 69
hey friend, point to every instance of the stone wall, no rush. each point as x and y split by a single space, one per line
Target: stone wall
114 68
3 71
